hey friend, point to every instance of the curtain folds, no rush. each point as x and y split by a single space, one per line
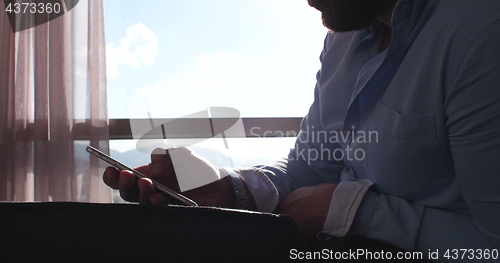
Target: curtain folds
52 105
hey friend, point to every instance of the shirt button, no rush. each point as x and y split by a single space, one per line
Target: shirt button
351 178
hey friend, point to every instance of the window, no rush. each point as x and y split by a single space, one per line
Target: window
169 59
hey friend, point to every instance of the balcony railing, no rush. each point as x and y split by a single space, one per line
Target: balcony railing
120 129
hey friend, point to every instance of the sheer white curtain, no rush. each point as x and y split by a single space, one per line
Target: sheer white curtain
52 105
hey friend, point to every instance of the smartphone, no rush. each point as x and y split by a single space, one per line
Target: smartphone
175 198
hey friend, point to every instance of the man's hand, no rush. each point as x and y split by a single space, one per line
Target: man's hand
309 207
161 169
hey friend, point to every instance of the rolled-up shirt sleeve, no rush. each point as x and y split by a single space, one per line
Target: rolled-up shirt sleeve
270 184
263 191
345 202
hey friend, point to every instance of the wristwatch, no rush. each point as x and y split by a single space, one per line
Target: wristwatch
237 185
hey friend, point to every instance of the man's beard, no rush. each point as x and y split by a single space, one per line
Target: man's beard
352 15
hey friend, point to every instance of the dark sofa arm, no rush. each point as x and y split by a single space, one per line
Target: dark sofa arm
80 232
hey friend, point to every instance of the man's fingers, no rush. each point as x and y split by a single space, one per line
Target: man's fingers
157 171
161 166
146 186
111 177
148 194
160 155
146 190
159 199
145 169
128 186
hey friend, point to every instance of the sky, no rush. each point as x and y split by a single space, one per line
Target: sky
172 58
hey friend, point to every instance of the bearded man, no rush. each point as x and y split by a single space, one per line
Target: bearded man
411 91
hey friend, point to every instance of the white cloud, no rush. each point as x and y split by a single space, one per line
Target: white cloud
180 92
147 91
140 44
225 63
209 71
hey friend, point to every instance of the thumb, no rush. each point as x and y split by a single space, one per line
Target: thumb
192 170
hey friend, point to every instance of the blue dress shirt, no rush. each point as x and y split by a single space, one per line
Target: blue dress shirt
413 131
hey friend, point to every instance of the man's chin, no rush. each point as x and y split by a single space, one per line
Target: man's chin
345 27
352 15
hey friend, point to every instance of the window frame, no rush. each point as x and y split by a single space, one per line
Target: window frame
119 129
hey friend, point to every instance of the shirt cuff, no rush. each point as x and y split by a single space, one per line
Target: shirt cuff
364 215
261 188
346 199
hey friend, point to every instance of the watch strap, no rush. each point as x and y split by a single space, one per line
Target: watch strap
237 185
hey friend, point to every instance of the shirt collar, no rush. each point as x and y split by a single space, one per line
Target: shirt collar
416 8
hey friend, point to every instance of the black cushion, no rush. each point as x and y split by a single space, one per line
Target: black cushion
80 232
